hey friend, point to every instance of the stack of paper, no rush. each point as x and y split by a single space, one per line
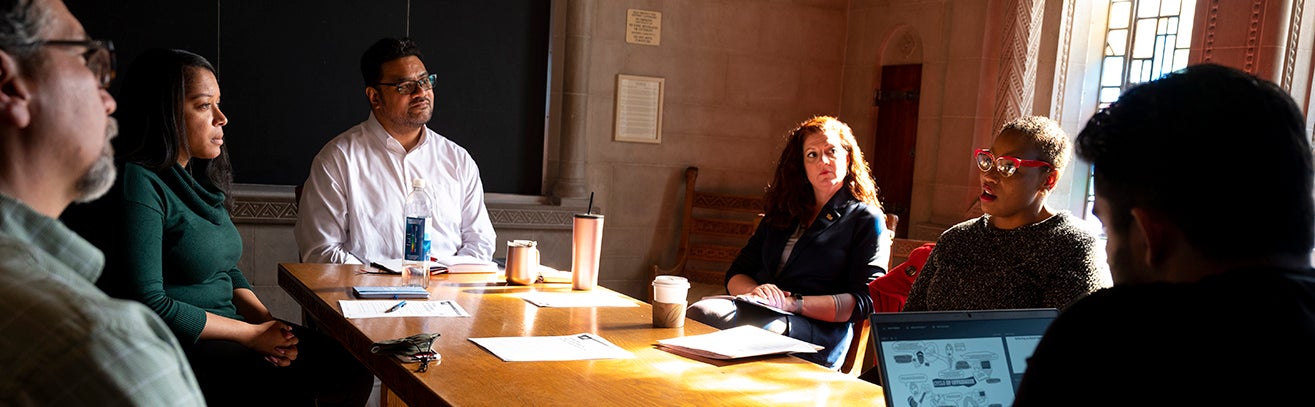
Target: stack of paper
395 266
738 342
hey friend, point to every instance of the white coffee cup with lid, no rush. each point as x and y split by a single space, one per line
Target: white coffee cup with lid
669 304
670 289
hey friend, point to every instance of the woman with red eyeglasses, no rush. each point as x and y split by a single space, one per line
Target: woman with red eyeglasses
1020 253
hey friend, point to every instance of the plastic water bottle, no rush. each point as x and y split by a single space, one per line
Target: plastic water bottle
415 244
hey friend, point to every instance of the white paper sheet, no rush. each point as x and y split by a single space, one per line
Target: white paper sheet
749 299
449 264
738 342
582 346
577 299
413 308
554 276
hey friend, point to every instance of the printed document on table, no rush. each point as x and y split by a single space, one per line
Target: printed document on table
466 264
413 308
582 346
450 264
577 299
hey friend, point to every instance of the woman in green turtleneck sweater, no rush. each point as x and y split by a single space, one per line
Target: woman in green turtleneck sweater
176 249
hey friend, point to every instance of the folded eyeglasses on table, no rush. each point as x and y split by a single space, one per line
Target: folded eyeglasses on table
414 348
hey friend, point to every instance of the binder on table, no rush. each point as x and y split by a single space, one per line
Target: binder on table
390 292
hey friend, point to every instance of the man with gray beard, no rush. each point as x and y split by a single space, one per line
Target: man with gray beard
65 341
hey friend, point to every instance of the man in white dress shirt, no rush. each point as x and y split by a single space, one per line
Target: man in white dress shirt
351 204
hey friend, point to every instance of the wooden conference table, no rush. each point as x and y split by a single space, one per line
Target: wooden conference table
470 375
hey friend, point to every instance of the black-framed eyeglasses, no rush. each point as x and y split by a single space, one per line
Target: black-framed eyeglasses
99 56
408 87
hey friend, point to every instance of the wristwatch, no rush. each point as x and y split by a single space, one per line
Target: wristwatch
798 297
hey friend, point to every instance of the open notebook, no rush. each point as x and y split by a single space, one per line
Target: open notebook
449 264
958 357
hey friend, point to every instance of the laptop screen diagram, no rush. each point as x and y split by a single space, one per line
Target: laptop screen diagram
961 358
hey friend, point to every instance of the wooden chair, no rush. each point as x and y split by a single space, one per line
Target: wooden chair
861 349
714 227
900 248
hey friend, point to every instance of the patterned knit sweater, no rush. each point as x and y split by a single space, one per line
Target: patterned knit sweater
976 266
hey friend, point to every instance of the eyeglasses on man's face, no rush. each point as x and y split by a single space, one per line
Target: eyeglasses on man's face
408 87
1006 165
99 56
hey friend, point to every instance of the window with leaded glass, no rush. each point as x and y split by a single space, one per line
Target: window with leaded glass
1144 40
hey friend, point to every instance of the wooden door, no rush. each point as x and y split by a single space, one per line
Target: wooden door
896 139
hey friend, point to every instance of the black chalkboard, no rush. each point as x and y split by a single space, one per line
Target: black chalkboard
290 76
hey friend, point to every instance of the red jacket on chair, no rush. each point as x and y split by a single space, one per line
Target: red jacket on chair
890 291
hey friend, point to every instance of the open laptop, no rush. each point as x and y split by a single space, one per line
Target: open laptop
937 358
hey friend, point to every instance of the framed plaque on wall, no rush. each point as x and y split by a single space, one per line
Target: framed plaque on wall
638 109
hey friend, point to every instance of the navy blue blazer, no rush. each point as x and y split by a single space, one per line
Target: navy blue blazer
839 253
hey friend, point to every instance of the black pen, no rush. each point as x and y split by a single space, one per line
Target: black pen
396 307
589 337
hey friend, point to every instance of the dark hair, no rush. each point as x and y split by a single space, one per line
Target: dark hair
150 115
1204 146
384 50
1044 134
790 196
18 33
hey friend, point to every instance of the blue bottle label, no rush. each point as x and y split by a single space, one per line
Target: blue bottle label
415 244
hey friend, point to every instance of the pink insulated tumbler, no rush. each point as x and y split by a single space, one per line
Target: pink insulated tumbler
586 247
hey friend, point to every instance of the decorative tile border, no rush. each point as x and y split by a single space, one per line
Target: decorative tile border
541 217
263 211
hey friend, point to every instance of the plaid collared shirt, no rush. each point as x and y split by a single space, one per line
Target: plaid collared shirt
67 343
